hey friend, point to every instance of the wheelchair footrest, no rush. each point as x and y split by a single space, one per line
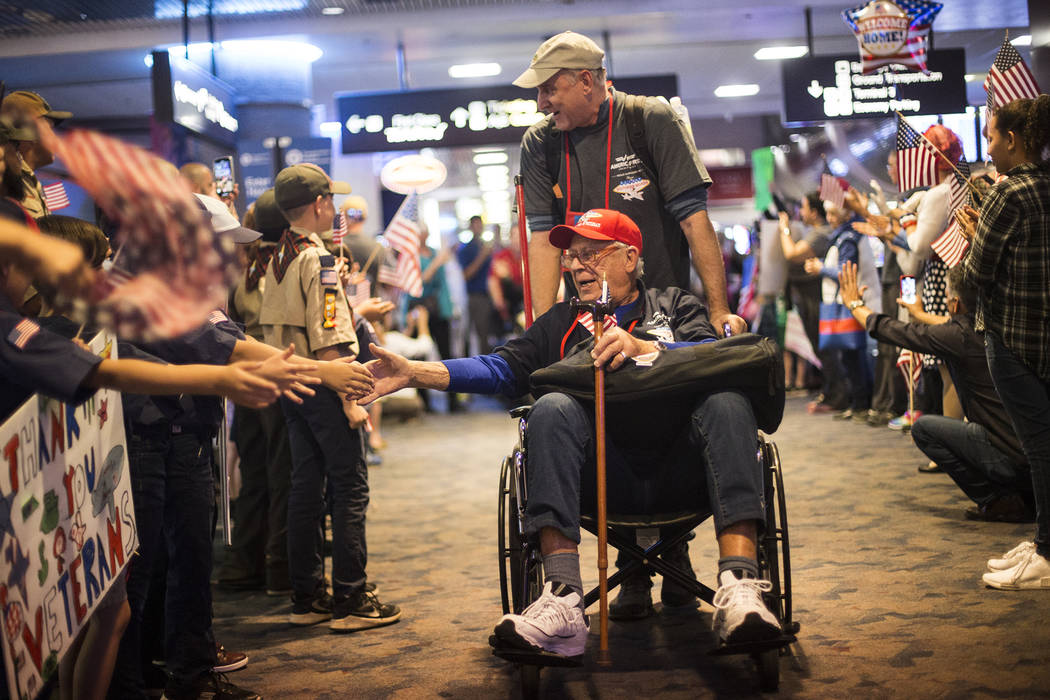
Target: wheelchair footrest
753 647
532 657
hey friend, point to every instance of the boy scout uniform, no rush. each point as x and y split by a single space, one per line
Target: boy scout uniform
304 304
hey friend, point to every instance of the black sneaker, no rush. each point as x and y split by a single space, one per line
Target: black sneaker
634 601
361 611
211 685
312 610
672 595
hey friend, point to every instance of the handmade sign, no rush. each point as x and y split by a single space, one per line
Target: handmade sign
67 525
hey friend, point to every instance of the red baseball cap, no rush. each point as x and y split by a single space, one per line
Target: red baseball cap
599 225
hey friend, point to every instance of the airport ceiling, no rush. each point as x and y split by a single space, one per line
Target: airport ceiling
706 42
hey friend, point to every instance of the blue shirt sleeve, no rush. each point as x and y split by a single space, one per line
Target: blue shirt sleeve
481 374
688 203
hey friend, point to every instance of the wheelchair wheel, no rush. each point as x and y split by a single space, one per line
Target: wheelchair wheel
774 551
520 571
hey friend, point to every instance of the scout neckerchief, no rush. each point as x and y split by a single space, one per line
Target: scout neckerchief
570 215
290 245
257 263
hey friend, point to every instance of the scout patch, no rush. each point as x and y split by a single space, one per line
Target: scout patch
632 189
288 248
328 320
328 276
216 317
21 334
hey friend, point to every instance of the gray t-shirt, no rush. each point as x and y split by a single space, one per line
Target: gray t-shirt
632 188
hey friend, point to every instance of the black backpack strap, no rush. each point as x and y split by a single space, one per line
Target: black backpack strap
552 146
634 112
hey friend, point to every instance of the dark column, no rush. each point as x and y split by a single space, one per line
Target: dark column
1039 23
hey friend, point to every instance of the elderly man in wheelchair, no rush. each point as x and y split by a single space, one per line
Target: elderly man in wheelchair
714 446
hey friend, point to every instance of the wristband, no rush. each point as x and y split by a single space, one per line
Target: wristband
855 304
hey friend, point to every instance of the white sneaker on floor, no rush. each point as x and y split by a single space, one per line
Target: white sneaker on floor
1011 558
553 623
1033 571
740 613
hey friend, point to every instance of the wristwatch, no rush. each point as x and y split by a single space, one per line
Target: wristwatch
855 304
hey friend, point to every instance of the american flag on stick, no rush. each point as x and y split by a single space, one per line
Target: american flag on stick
403 236
832 189
909 362
359 292
1009 78
916 158
951 246
55 196
340 232
176 269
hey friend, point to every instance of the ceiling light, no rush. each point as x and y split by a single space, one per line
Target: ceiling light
745 90
974 77
775 53
332 11
474 70
329 127
200 51
1023 40
491 158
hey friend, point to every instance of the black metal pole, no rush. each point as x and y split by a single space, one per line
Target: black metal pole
608 53
186 27
211 34
402 74
809 29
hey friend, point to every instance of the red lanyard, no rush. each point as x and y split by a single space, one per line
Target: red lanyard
575 322
568 167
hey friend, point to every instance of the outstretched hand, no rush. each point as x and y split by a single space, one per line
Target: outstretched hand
291 374
245 386
848 289
390 371
347 377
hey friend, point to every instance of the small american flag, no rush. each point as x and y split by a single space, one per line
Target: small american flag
916 159
403 236
910 365
358 293
340 232
832 189
912 53
586 319
1009 78
951 246
22 333
178 269
55 196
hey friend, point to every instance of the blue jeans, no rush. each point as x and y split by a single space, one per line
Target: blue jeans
173 490
1026 399
711 466
964 452
326 454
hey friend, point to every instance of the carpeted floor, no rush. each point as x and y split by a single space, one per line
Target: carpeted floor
886 586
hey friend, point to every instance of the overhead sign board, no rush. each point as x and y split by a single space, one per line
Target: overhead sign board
406 121
820 88
186 95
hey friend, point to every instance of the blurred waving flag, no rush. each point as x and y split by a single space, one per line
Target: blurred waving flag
403 236
910 365
1009 78
951 246
916 158
170 269
832 189
55 196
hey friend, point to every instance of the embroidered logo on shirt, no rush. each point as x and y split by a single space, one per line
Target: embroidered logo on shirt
632 189
328 278
628 161
21 334
662 333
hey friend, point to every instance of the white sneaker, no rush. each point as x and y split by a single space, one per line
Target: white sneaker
1033 571
1011 558
740 613
553 623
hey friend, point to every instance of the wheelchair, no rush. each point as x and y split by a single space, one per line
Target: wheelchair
521 575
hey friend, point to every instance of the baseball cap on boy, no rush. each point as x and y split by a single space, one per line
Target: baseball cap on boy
301 184
222 221
599 225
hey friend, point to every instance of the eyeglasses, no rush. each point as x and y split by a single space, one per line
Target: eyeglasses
588 257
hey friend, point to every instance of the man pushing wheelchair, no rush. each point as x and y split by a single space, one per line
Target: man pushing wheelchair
708 451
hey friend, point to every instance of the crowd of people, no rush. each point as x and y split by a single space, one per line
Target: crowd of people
311 341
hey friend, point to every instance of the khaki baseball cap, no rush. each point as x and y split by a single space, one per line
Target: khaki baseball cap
32 105
301 184
12 129
565 50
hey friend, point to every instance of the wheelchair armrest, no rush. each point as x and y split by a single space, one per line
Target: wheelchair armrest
520 411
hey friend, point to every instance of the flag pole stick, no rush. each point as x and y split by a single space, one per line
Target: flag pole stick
523 238
600 311
973 188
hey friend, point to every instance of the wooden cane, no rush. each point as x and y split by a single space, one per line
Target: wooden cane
911 386
523 237
603 544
